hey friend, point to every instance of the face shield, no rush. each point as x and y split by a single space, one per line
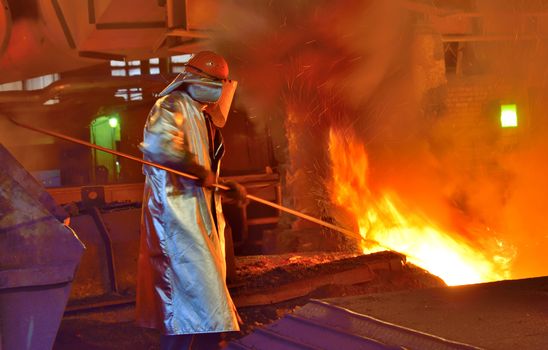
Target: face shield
204 90
219 110
216 94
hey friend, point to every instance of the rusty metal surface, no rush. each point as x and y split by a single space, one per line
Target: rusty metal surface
36 248
109 265
335 273
91 287
92 278
38 259
16 172
303 287
320 325
132 192
123 228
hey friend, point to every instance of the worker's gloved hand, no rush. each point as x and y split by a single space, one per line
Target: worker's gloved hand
206 178
236 193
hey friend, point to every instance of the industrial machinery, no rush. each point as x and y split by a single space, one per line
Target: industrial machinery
38 261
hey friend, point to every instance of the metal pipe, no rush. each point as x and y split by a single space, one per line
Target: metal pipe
77 85
192 177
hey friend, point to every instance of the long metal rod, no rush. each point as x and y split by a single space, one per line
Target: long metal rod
192 177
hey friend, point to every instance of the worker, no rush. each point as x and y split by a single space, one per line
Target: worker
181 287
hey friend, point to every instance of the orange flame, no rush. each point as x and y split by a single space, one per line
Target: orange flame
381 218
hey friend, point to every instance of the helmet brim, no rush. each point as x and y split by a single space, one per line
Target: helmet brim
175 83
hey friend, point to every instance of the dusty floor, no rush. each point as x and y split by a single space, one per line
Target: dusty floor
114 328
504 315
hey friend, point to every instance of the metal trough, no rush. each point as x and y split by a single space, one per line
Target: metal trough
38 260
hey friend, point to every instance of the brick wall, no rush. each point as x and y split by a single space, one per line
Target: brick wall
471 112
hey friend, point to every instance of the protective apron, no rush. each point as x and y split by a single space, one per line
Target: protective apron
181 285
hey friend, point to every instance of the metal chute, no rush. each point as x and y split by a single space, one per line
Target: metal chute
38 260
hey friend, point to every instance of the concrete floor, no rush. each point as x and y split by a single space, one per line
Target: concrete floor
113 327
506 315
105 329
501 315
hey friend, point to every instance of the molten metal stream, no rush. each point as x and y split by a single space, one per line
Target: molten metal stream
352 234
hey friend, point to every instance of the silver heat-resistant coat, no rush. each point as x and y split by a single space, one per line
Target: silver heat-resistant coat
182 269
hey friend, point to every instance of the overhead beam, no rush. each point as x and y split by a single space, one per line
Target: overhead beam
63 23
448 38
188 34
190 46
129 25
102 55
177 14
91 11
498 13
181 33
422 8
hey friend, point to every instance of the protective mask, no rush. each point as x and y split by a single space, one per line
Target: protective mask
219 111
205 93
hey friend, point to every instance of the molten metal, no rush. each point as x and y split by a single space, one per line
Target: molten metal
382 218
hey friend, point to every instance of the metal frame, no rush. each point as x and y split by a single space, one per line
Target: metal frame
63 23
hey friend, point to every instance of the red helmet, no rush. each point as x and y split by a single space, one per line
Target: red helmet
209 64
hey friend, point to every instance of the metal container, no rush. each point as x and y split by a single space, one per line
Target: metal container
38 260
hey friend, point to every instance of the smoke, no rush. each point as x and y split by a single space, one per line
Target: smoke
373 69
523 215
493 177
316 47
305 66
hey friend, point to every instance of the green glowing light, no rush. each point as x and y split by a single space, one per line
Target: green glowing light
508 116
113 122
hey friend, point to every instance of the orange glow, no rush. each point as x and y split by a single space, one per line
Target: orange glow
384 218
